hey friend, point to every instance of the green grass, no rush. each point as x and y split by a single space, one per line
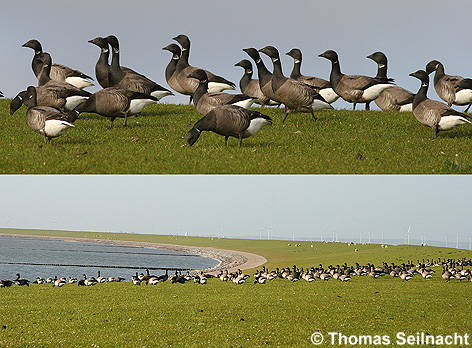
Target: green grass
339 142
221 314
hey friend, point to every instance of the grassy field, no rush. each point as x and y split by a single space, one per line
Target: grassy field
220 314
339 142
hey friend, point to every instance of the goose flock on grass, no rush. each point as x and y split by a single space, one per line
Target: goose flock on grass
452 269
59 98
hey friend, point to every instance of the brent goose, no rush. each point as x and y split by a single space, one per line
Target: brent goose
47 121
295 95
116 102
323 87
58 72
431 113
229 121
446 86
102 68
353 88
171 77
183 69
394 98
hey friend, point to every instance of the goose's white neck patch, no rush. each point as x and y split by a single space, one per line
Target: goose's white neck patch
175 57
105 50
297 61
258 61
381 65
116 50
249 71
184 49
424 85
275 59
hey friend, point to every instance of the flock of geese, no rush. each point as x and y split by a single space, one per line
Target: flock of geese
60 96
451 270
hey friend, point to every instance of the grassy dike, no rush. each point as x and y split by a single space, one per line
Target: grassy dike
220 314
340 141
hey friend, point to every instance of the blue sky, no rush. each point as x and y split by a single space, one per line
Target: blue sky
246 206
410 32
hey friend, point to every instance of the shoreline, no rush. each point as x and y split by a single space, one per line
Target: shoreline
230 260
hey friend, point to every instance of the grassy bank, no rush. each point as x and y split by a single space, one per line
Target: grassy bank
339 142
220 314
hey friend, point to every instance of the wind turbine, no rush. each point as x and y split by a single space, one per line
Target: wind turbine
408 235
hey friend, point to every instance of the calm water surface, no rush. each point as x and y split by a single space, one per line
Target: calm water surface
134 259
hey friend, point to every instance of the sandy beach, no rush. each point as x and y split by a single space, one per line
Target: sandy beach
230 260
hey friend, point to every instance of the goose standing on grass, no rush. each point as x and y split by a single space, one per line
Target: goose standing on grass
394 98
47 121
353 88
322 86
229 121
434 114
116 102
205 102
58 72
250 86
446 86
264 75
171 77
295 95
129 79
183 69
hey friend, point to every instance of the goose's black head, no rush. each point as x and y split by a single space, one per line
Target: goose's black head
272 52
183 40
100 42
174 49
17 102
192 137
330 55
421 75
378 57
432 66
113 42
253 53
199 74
35 45
244 64
295 53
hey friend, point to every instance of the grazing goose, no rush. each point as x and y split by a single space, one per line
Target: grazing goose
322 86
446 86
171 78
58 72
21 281
183 69
129 79
353 88
64 99
116 102
205 102
394 98
102 69
47 121
434 114
229 121
295 95
250 86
